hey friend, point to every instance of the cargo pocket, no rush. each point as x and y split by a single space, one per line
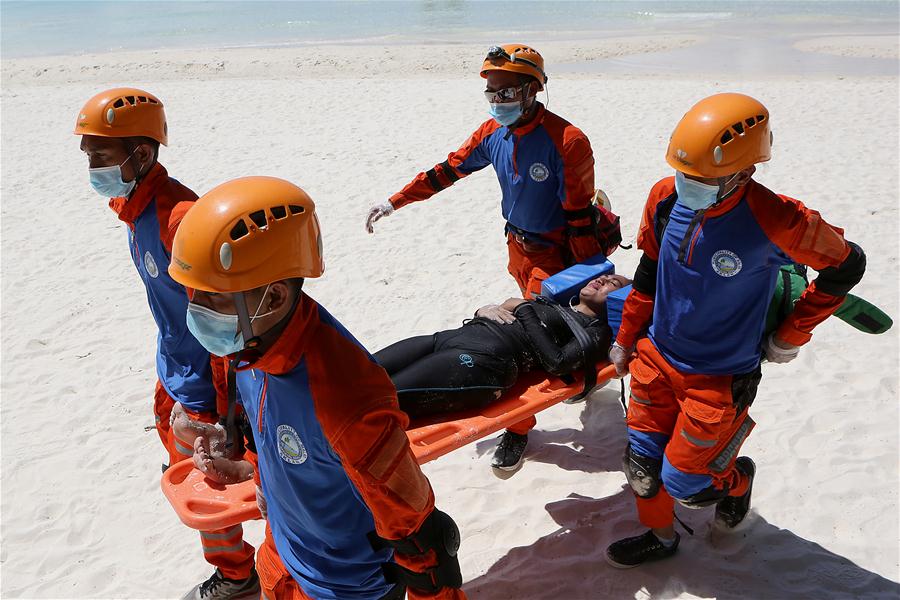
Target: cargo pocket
701 427
639 399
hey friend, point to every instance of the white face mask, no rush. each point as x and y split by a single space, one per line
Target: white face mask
696 195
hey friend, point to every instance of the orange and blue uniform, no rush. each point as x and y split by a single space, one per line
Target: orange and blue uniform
186 372
334 464
546 173
701 293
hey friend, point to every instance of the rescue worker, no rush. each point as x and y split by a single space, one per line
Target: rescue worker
350 514
545 167
713 240
121 130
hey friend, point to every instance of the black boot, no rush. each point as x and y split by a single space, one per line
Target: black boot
731 510
633 551
510 451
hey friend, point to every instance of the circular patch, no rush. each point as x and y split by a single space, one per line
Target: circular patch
726 263
466 360
539 172
289 445
150 265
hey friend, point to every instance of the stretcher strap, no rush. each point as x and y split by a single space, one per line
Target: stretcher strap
588 349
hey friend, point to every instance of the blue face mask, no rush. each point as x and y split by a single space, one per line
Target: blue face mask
507 113
216 332
693 194
107 181
219 333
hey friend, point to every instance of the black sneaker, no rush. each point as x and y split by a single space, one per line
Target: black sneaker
510 451
218 587
633 551
731 510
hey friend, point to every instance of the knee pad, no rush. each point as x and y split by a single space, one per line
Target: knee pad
642 472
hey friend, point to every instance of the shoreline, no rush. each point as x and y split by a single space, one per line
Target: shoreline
658 55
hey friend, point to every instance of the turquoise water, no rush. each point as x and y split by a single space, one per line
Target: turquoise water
42 28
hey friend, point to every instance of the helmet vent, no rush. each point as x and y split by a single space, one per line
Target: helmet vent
760 118
296 209
239 230
739 128
279 212
259 218
726 137
119 103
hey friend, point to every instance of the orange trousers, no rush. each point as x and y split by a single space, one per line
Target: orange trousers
694 424
222 548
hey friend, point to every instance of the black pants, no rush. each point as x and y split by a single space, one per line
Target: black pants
458 369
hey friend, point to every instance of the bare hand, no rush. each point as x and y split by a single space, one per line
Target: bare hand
376 212
495 313
219 468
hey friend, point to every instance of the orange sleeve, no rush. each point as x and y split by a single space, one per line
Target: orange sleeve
362 421
459 164
636 315
646 237
638 309
578 174
175 218
806 238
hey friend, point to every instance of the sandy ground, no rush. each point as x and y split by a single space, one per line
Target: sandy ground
82 514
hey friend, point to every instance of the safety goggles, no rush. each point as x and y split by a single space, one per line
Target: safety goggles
506 95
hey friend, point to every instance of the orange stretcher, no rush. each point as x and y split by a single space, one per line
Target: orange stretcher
205 505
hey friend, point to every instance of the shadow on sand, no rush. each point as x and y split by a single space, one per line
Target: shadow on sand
758 561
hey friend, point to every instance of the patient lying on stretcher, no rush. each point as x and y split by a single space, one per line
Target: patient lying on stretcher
471 366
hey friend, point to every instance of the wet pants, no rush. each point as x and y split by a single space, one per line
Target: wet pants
692 426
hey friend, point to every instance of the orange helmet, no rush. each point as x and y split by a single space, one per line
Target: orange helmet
245 234
123 112
721 135
516 58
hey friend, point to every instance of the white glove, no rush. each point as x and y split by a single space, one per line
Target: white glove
376 212
495 313
620 356
779 354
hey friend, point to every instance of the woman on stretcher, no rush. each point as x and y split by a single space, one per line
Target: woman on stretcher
473 365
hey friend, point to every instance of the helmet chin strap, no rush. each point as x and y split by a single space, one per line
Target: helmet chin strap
240 305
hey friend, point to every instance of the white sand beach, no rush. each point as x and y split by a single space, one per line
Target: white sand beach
82 513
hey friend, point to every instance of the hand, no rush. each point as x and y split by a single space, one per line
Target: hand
261 503
187 429
620 356
376 212
217 467
495 313
779 351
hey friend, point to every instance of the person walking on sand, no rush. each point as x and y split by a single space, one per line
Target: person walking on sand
545 167
713 240
121 130
349 512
